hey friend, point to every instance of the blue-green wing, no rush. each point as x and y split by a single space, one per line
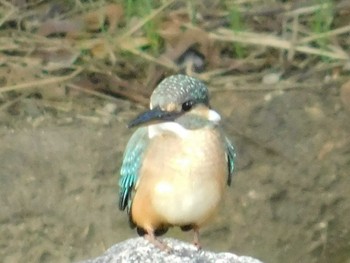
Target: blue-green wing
132 161
231 158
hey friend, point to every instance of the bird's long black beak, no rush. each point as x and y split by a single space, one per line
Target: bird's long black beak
155 115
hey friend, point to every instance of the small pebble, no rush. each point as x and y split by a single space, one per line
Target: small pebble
110 108
271 78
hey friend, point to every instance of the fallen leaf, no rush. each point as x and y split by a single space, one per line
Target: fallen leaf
95 20
326 148
345 95
54 58
53 26
114 14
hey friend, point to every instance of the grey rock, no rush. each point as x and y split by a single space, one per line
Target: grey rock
140 250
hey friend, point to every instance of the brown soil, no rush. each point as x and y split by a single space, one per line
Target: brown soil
288 203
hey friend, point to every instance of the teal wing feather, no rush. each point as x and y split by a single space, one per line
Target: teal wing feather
132 161
231 158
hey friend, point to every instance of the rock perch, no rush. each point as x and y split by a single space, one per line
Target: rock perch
140 250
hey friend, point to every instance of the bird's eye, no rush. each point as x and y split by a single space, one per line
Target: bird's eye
186 106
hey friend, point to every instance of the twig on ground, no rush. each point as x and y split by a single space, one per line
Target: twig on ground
40 83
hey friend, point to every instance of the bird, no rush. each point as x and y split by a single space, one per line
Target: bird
177 163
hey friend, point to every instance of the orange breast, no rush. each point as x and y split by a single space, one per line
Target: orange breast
182 180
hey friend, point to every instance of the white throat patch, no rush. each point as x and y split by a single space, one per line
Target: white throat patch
214 116
156 129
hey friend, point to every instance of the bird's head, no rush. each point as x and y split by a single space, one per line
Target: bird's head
175 99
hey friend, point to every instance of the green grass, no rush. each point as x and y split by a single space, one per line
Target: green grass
141 9
236 24
321 21
192 11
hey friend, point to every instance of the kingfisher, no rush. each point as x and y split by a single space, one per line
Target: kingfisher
177 163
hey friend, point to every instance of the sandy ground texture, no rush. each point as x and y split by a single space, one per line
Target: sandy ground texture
289 201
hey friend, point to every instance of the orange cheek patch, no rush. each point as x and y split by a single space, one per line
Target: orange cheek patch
171 107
